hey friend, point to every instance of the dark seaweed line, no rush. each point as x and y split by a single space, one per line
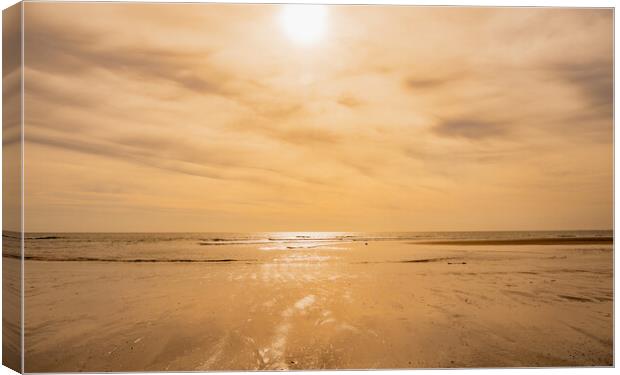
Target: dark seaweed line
44 238
88 259
229 243
224 260
271 242
425 260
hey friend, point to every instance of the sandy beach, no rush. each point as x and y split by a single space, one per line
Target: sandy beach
392 304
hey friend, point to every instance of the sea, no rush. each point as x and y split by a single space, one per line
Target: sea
205 247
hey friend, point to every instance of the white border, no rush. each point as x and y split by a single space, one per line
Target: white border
559 3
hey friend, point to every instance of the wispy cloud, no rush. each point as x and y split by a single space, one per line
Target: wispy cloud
470 129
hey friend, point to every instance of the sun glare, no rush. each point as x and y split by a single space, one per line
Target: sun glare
304 23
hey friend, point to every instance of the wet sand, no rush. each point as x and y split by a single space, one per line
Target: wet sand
350 306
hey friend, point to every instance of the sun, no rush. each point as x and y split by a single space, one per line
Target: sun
303 23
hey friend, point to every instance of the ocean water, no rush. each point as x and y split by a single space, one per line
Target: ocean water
224 247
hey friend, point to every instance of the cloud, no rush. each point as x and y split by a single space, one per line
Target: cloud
11 40
55 50
424 83
432 81
593 80
349 101
473 129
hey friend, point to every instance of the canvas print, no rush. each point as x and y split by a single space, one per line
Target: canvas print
196 187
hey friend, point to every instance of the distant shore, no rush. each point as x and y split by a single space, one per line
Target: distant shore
526 241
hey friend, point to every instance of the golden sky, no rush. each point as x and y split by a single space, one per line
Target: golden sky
193 117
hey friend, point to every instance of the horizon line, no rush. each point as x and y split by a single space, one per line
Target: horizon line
319 231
